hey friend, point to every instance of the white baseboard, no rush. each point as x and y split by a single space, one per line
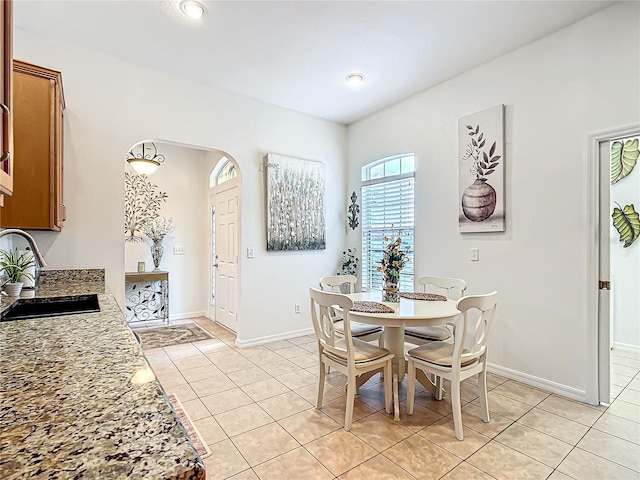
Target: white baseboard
525 378
272 338
182 316
538 382
626 346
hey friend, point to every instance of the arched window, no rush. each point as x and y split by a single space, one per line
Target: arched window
224 171
387 209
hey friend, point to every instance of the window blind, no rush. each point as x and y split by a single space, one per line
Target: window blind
387 208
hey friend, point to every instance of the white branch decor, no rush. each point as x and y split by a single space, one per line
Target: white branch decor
295 204
142 202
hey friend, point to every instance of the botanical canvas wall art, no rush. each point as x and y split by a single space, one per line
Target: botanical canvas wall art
295 204
481 171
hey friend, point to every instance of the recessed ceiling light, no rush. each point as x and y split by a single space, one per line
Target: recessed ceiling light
192 9
355 79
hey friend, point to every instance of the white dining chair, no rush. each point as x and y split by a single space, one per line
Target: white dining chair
361 331
454 362
346 354
453 288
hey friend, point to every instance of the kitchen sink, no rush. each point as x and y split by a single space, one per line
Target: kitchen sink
49 307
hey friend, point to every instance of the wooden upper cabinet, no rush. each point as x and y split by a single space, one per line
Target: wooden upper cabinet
6 104
38 105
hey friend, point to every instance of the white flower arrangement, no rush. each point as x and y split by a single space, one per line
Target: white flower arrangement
157 229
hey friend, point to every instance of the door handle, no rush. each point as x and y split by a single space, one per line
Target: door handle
215 265
7 112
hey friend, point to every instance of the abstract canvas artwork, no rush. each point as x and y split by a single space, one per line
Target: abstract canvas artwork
295 203
481 171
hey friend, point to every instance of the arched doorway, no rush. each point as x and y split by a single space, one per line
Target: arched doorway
180 189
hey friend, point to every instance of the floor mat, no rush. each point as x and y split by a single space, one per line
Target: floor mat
194 435
165 336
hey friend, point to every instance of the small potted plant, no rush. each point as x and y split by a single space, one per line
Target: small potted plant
15 266
349 262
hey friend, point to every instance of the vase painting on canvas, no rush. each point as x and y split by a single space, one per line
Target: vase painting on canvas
481 171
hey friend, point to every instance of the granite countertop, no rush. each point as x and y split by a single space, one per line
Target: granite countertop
70 406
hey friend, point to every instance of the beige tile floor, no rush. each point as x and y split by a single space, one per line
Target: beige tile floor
255 409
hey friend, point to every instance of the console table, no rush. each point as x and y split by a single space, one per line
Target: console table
146 296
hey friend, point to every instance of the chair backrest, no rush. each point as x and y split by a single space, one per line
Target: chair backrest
450 287
334 282
486 306
321 307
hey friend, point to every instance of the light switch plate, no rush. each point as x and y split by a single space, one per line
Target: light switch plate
475 254
250 252
178 250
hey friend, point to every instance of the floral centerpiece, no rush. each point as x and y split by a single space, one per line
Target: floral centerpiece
156 230
349 262
393 260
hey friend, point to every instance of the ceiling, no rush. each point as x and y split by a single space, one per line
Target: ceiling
297 54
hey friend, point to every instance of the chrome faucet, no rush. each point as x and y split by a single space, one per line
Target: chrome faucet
37 256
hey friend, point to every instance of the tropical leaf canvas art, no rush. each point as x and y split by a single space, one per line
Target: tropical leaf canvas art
624 156
624 190
627 223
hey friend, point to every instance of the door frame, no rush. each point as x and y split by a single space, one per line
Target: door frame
211 306
595 324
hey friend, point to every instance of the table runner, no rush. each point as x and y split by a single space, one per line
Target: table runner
431 297
366 306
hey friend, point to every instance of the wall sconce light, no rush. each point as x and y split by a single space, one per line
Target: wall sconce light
145 163
352 213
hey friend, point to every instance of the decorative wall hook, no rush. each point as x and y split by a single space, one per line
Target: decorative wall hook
353 211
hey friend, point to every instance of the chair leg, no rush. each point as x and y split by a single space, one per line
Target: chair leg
457 410
482 390
396 400
388 387
321 383
351 396
411 386
381 345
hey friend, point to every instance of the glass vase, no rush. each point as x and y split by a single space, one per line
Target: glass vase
390 291
156 253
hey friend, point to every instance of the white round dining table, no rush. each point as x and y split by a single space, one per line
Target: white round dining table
406 313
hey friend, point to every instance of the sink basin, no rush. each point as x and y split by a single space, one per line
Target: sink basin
49 307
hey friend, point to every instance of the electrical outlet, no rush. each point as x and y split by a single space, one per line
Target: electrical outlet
475 254
297 308
178 250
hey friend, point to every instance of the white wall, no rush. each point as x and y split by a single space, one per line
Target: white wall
184 178
625 269
112 104
556 91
